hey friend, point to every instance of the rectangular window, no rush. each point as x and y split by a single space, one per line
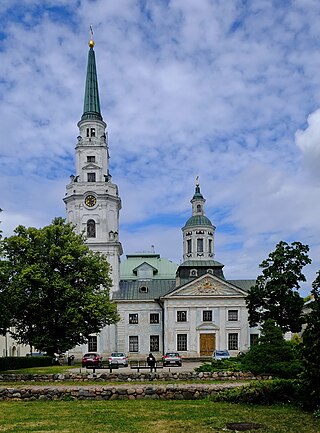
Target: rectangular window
133 343
91 177
210 246
181 316
154 318
253 339
92 343
233 341
233 315
154 343
189 249
91 159
133 319
93 132
182 342
207 315
199 245
88 132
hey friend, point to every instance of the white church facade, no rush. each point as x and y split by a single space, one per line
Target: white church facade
191 308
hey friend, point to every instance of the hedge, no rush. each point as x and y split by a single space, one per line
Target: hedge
17 362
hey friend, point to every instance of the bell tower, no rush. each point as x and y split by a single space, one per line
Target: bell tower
92 199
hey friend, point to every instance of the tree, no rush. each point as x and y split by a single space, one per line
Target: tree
275 294
58 288
272 354
311 349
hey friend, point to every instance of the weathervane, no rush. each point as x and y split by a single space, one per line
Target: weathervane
91 42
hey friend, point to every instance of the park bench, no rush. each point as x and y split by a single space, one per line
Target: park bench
142 365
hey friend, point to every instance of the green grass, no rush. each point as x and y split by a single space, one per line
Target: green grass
148 416
54 369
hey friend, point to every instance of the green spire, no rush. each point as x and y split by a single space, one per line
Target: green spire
91 106
197 193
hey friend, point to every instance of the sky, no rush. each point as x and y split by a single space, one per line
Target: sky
225 90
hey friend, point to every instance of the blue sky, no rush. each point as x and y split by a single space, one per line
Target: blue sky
229 91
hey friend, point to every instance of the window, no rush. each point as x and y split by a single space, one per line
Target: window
189 248
93 132
143 289
154 318
133 319
91 229
198 207
233 315
210 246
253 339
91 177
133 343
88 132
92 343
193 273
154 343
233 341
199 245
91 159
182 342
207 315
181 316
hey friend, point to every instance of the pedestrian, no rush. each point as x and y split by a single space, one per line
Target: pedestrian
151 361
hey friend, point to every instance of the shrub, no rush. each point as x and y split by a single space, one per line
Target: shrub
17 362
232 364
268 392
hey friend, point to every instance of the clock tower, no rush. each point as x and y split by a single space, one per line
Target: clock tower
92 199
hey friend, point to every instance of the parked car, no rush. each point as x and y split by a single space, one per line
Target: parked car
172 358
91 359
220 354
119 358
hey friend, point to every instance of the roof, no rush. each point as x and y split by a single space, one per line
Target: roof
165 268
130 290
198 220
243 284
91 106
201 263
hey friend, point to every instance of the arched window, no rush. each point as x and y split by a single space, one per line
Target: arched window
193 273
91 229
198 207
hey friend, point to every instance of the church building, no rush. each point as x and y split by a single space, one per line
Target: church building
190 308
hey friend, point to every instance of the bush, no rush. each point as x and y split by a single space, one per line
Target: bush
232 364
18 362
268 393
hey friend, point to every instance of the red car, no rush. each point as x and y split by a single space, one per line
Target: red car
91 359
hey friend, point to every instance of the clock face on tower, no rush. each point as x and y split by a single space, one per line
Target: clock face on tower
90 200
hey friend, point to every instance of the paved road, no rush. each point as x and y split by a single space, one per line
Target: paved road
186 366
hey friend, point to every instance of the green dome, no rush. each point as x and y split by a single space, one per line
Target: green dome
198 220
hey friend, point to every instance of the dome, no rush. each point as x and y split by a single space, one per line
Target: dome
198 220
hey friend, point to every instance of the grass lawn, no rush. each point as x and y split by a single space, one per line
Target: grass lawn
148 416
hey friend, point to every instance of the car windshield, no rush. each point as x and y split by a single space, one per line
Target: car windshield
222 353
117 355
172 354
90 355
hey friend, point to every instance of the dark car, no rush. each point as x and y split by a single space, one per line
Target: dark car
91 359
172 358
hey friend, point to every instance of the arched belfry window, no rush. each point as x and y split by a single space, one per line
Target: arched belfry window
198 207
91 229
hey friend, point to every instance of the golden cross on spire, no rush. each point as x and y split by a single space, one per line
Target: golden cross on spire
91 42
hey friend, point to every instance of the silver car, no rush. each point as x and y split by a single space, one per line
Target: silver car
119 358
220 354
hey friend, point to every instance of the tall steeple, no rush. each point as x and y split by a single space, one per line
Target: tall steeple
91 106
92 199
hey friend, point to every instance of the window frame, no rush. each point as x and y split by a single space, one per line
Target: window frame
91 228
182 342
232 314
200 245
209 313
91 177
133 319
155 320
92 343
133 343
154 343
181 316
233 344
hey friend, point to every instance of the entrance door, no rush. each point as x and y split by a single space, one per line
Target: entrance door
207 344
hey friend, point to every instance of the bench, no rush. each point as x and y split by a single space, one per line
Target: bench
142 365
104 366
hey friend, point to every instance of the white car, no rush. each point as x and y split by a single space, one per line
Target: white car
220 354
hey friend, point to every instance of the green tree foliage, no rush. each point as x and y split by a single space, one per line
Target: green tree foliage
275 294
311 349
272 354
57 290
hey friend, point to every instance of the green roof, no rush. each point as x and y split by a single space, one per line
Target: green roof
130 290
165 269
243 284
197 193
201 263
91 106
198 220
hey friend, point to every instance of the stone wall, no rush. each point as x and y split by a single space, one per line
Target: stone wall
119 392
130 377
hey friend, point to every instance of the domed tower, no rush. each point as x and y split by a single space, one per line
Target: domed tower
198 243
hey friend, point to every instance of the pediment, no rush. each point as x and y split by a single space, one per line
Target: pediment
207 327
91 166
207 285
